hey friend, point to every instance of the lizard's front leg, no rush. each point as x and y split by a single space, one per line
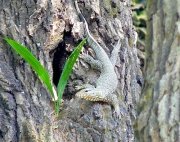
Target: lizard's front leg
83 86
95 64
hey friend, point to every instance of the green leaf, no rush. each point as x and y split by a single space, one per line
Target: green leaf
68 67
43 73
34 63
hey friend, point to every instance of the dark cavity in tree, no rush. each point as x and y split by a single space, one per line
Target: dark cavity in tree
61 54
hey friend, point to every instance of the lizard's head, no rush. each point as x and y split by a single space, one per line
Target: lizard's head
90 94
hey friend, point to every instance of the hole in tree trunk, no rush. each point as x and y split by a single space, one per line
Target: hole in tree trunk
62 52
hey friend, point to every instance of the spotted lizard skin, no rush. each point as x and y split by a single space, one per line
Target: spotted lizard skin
106 84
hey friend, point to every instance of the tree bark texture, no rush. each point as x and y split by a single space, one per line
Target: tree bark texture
158 119
49 28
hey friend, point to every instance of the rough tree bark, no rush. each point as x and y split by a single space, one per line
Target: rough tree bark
158 119
49 28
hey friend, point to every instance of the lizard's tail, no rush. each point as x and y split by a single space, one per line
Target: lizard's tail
79 12
94 44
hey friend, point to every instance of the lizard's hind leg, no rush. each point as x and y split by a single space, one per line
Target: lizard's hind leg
113 100
115 52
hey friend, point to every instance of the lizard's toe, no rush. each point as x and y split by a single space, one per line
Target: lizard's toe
117 114
78 87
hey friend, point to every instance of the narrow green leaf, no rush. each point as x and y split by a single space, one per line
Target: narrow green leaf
33 62
68 67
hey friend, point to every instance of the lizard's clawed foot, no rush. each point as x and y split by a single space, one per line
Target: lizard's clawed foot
117 114
82 56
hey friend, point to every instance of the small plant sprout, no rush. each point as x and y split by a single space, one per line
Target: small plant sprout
43 74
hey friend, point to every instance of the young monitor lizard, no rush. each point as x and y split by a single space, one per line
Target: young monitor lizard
106 84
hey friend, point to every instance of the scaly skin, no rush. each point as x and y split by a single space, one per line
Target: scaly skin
106 84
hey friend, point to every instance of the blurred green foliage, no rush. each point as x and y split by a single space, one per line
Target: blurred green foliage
139 19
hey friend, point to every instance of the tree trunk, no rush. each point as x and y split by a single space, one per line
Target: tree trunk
49 28
158 118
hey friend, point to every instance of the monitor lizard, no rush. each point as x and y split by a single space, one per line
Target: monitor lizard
107 83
